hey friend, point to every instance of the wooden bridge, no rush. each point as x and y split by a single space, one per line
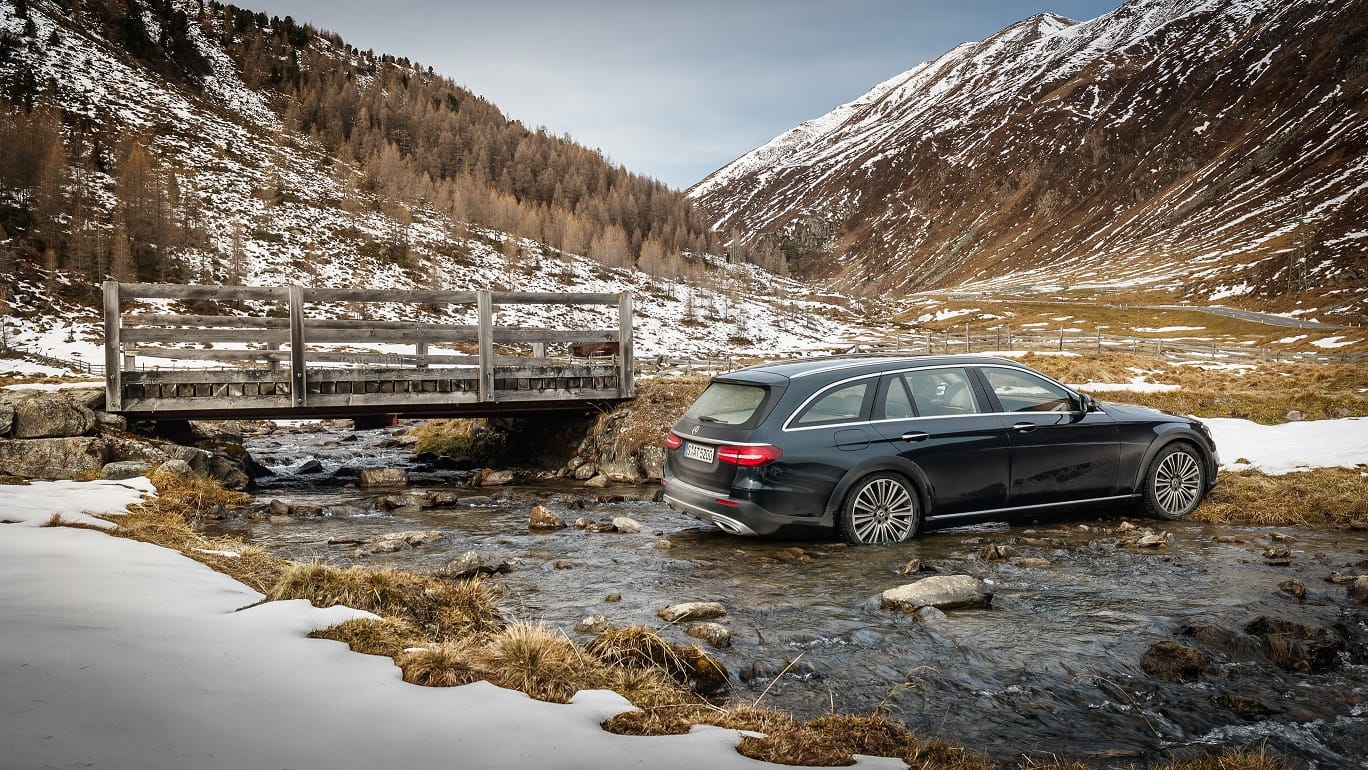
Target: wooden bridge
299 352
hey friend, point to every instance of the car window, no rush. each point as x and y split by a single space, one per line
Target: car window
942 392
842 404
728 403
1024 392
897 402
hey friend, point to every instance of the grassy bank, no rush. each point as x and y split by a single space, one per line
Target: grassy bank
448 633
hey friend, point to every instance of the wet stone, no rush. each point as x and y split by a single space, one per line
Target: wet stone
627 525
1293 588
543 518
1298 647
1358 590
1174 662
475 564
945 592
593 624
678 613
714 634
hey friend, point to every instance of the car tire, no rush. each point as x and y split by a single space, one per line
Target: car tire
881 509
1175 482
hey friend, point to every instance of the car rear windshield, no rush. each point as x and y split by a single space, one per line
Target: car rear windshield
728 403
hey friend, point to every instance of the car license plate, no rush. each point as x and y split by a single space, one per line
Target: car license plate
701 452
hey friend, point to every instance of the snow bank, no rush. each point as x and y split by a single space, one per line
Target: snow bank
117 653
33 504
1292 446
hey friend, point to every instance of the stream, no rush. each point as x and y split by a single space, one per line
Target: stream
1052 670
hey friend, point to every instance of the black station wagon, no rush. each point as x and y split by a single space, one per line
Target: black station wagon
878 448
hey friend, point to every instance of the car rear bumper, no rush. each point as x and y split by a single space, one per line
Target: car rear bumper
733 514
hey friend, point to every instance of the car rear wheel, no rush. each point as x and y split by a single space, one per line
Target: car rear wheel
880 509
1175 482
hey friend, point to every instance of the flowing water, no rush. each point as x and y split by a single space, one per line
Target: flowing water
1052 669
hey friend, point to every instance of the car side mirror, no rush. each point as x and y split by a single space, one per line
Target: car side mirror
1085 403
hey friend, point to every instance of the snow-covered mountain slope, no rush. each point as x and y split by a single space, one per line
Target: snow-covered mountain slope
1211 148
288 211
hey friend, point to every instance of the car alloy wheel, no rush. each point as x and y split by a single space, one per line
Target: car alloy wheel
1175 484
881 509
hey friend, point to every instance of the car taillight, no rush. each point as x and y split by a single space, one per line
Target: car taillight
672 441
749 456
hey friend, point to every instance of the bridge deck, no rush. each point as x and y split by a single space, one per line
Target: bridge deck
298 366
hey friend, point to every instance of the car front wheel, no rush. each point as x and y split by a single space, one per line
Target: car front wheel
1175 482
880 509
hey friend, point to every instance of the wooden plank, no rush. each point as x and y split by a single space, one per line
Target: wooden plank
172 376
199 354
166 334
390 359
229 321
113 372
298 382
190 291
552 298
164 405
424 296
486 340
433 334
625 384
519 334
315 324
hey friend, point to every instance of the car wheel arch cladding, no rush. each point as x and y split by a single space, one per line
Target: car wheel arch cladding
1171 438
909 472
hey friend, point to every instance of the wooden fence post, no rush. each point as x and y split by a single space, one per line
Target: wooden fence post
626 387
485 306
113 361
299 386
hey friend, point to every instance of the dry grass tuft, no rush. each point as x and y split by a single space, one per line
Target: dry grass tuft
459 438
641 647
1321 497
388 638
831 741
544 664
446 664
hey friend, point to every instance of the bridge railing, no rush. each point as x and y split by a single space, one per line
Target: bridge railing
296 347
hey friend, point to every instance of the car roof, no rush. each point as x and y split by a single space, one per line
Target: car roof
854 366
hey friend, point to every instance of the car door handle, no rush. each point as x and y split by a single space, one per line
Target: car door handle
1024 427
915 436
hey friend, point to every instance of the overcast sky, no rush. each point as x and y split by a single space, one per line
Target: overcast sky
674 89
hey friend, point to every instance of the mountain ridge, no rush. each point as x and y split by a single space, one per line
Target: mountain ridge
1167 145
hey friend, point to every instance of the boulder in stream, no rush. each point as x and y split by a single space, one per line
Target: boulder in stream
944 592
475 564
543 518
1358 590
678 613
384 477
1174 662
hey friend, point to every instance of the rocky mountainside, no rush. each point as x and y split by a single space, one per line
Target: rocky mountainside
1209 149
198 142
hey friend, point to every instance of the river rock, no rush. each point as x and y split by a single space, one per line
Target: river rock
945 592
678 613
278 508
1277 556
544 518
758 670
598 482
912 567
53 458
627 525
1293 588
1358 590
1296 415
384 477
124 469
177 468
475 564
1151 540
715 634
402 541
111 423
1030 563
1173 662
442 499
394 502
585 472
792 555
997 552
309 467
593 624
493 478
1298 647
476 500
51 415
